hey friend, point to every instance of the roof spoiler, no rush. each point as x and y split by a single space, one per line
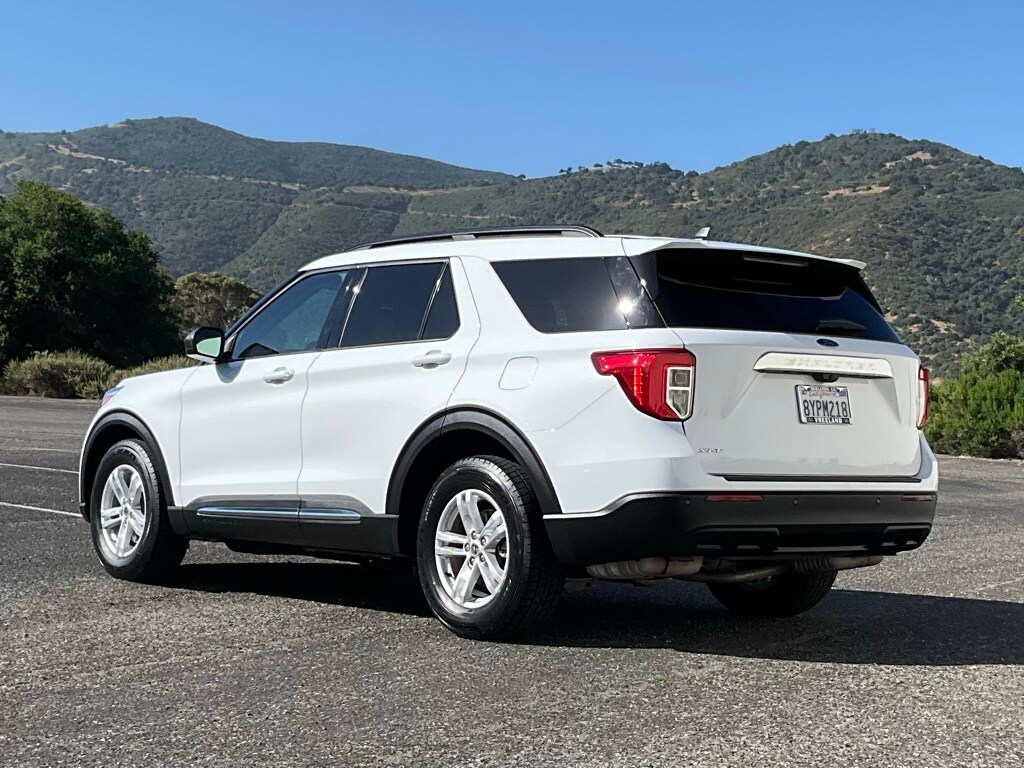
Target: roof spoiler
637 246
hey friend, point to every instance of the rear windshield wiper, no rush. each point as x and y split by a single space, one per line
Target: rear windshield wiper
839 325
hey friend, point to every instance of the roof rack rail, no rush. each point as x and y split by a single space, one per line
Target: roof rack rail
573 230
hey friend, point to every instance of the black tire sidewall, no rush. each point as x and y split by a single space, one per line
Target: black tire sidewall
788 594
136 454
488 477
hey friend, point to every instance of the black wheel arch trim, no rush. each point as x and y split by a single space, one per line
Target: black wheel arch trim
137 425
479 420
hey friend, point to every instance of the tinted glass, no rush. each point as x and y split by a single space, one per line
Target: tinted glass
761 292
391 304
588 294
264 299
443 317
292 321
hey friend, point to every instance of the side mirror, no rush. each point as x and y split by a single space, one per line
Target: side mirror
205 344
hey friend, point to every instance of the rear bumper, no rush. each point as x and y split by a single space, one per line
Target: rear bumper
782 525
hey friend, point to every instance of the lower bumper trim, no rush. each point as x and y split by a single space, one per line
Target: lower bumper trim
782 525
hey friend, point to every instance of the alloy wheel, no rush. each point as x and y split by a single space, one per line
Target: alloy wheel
471 549
122 512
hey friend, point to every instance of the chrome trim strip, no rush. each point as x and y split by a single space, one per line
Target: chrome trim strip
241 513
739 478
329 515
785 362
324 501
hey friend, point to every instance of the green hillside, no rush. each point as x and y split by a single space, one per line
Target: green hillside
942 231
205 194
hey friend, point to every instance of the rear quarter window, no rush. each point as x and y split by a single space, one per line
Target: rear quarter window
577 294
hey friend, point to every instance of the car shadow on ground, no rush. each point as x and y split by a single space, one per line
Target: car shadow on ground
344 584
848 627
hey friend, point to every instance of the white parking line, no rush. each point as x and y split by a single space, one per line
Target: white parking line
39 509
16 448
41 469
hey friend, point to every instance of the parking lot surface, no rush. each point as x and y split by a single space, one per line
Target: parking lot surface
292 661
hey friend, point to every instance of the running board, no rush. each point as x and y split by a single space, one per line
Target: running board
338 524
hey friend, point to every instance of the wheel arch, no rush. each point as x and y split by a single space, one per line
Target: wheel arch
443 440
111 428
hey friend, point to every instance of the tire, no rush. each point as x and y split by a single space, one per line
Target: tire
152 550
530 583
776 597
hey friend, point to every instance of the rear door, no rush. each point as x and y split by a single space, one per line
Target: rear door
798 373
398 356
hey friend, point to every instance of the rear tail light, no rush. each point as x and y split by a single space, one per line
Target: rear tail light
923 389
659 382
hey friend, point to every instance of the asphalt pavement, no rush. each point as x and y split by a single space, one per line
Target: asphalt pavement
292 661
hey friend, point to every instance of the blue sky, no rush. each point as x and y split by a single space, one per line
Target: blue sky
528 87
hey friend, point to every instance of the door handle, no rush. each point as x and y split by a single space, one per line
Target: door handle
432 359
279 376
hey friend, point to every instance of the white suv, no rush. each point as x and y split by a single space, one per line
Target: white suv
513 407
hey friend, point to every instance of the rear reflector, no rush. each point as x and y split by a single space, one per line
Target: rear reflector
734 497
923 390
918 497
659 382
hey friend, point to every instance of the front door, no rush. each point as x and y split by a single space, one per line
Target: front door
240 429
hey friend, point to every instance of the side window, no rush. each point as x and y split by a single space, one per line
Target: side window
391 304
293 321
443 316
577 294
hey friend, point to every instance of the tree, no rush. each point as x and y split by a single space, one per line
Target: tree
73 277
210 299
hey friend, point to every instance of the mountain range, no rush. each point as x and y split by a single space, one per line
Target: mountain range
942 231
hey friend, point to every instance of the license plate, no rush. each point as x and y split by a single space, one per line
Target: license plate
823 405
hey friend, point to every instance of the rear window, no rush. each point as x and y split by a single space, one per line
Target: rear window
579 294
761 292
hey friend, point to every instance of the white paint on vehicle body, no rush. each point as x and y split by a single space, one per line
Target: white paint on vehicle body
337 425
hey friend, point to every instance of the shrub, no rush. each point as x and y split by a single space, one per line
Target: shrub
1002 352
58 374
979 415
158 365
74 374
